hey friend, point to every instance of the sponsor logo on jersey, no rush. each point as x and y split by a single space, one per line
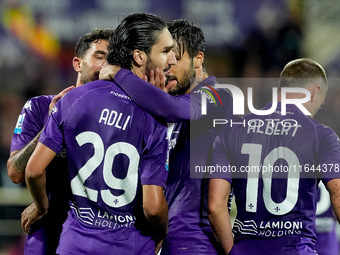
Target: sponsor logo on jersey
18 126
120 95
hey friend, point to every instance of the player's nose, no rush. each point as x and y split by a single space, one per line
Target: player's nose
171 58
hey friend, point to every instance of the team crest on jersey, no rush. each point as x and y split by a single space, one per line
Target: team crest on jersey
28 105
54 110
18 126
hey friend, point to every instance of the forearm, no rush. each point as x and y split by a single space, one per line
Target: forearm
159 220
333 187
36 175
218 213
221 227
17 162
37 187
156 210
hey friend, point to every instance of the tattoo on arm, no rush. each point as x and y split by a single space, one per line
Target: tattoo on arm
21 158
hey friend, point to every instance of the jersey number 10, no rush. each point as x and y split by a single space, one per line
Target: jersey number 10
254 151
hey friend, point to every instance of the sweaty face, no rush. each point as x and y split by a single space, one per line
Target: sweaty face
161 55
182 72
92 62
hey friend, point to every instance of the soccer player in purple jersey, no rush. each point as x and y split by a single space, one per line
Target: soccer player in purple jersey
327 242
189 230
116 153
43 237
276 209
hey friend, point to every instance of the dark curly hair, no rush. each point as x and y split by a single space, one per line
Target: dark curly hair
136 31
85 41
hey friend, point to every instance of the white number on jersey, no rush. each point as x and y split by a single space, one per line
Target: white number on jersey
128 184
254 151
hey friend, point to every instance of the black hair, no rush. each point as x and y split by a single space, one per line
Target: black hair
84 43
136 31
188 36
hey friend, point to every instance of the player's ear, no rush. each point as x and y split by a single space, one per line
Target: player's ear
139 57
76 64
316 88
198 60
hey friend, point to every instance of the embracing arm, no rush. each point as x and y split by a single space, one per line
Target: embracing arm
155 101
36 183
18 159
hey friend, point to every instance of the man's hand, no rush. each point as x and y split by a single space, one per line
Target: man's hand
57 97
157 78
108 72
31 215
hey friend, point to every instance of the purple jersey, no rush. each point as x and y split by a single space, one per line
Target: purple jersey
189 144
44 235
275 162
114 148
327 242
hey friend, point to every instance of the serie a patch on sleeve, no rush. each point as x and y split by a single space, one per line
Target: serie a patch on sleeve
18 126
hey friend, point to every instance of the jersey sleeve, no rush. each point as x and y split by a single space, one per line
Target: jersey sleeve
329 154
30 122
153 171
157 102
220 160
52 135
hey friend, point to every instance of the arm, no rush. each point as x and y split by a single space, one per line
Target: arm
155 101
36 183
333 187
218 214
156 211
18 159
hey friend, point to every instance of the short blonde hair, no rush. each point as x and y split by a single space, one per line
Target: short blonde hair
302 72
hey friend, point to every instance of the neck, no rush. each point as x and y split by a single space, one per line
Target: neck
200 76
138 71
79 83
308 105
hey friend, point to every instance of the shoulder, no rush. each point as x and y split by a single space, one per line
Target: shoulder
324 131
39 100
87 90
38 104
210 88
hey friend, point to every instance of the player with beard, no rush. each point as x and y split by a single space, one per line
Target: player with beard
43 237
189 142
116 153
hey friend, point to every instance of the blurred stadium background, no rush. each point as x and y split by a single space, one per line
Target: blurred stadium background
245 39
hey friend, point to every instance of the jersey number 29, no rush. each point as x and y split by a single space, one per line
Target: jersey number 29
128 184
